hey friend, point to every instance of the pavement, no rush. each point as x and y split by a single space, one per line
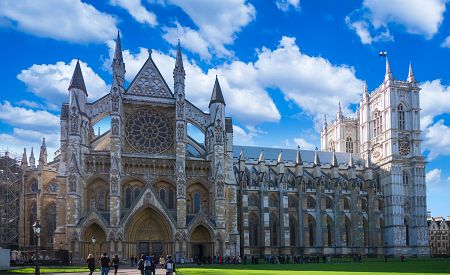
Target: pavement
122 271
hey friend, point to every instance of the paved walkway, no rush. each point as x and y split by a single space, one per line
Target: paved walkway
122 271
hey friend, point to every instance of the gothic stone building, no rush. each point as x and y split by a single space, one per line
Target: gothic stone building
146 186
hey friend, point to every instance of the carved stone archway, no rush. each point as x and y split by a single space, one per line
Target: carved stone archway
101 242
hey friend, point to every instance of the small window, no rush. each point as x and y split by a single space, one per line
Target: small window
401 117
378 124
127 197
405 178
162 195
311 203
171 199
349 145
197 202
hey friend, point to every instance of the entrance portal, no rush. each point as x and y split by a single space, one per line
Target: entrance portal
201 243
148 233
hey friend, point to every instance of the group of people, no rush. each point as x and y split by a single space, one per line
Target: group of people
105 263
147 264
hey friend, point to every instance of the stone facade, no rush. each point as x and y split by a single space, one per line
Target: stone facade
146 186
439 229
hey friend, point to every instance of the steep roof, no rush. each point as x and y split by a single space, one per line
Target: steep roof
77 80
217 96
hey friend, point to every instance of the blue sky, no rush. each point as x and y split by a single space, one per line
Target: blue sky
282 64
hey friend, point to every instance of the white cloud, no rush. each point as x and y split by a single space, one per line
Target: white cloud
50 81
304 144
69 20
434 176
192 40
374 19
137 11
217 22
437 140
434 100
417 16
242 137
446 43
285 5
36 120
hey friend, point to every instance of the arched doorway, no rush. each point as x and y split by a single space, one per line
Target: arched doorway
148 232
101 245
201 244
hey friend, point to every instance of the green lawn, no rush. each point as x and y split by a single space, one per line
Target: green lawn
411 266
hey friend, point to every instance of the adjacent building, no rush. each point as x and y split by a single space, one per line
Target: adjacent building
439 236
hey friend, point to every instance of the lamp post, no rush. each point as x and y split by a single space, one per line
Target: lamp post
93 245
37 232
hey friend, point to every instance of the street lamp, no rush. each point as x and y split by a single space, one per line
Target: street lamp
93 245
37 232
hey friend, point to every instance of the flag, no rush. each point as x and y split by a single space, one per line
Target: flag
383 54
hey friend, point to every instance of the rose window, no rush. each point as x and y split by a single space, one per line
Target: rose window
149 131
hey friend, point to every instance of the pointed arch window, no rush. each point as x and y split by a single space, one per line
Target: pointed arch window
329 232
405 178
162 195
50 223
33 217
101 200
349 145
273 230
292 231
137 192
378 124
311 231
253 234
401 117
406 232
197 202
347 229
171 199
128 197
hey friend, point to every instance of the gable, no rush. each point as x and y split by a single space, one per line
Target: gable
149 82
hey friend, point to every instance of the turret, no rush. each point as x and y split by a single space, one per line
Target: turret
316 164
325 123
241 161
365 93
24 162
179 74
351 167
334 166
298 163
280 163
388 76
118 66
411 78
262 162
43 153
339 114
368 167
32 161
217 112
77 89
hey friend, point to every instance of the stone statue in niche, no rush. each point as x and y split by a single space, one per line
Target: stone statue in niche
72 183
219 131
115 126
220 190
180 132
114 184
74 121
115 100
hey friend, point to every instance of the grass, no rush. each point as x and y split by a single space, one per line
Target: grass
47 269
409 267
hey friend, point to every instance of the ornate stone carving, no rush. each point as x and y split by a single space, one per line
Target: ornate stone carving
115 126
114 184
180 131
115 100
73 183
150 83
149 131
74 121
180 190
219 131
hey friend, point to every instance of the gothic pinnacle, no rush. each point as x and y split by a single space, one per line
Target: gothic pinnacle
118 51
77 81
334 162
179 68
411 77
261 157
316 158
298 157
388 75
280 157
217 96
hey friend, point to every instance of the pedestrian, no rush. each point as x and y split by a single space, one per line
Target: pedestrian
153 265
162 262
131 260
115 262
90 263
170 266
105 262
140 264
147 265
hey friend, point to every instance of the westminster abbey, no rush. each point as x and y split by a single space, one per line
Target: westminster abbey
146 186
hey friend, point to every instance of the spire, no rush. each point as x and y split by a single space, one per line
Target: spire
43 152
32 161
217 96
316 158
339 113
298 157
366 89
24 157
280 157
411 77
367 162
241 154
350 161
261 157
118 52
325 123
77 81
179 68
388 75
334 162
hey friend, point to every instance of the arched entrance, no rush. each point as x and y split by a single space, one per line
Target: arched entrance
148 233
88 247
201 244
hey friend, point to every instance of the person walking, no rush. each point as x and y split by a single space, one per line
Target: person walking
170 266
90 263
105 262
148 265
162 262
140 264
115 262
